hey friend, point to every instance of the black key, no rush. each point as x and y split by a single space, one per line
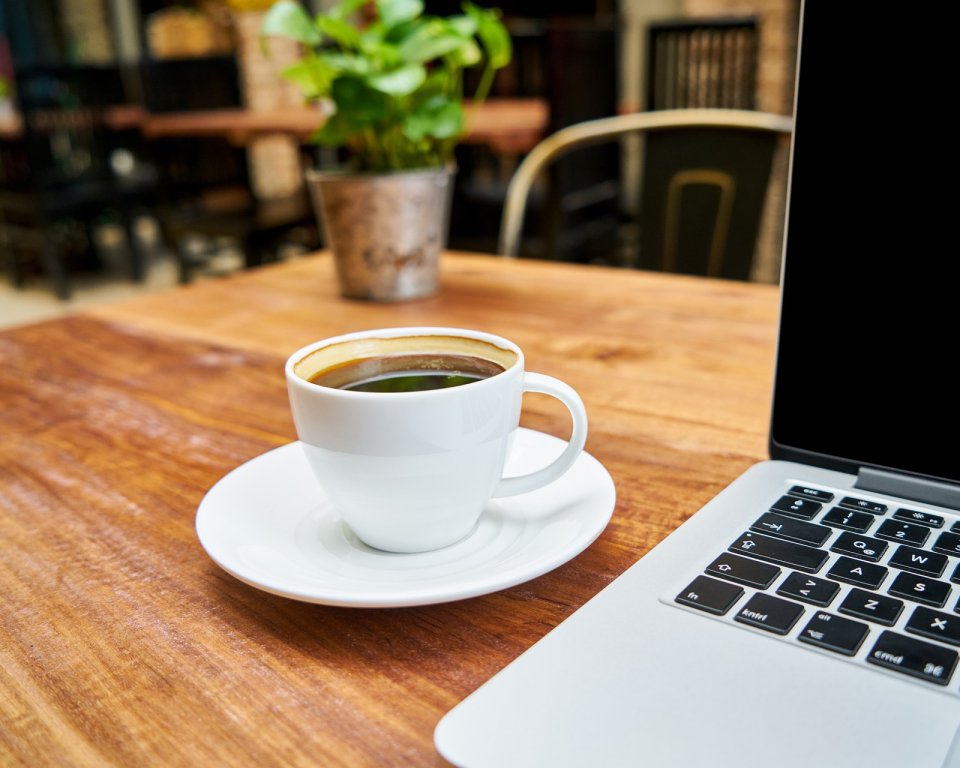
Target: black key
918 561
873 507
809 589
916 516
920 589
834 633
935 625
907 533
780 552
805 509
838 517
871 606
955 528
710 595
859 546
857 572
913 657
769 613
955 578
948 543
743 571
810 493
793 530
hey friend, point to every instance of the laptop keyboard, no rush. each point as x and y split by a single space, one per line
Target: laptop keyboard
859 577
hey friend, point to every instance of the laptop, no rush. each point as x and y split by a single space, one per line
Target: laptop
810 613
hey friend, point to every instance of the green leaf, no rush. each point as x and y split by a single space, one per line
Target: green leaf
342 32
346 63
393 12
467 55
465 26
437 117
287 18
381 54
431 42
357 103
311 75
345 9
493 34
399 82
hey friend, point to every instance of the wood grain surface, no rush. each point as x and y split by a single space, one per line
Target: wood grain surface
508 125
123 644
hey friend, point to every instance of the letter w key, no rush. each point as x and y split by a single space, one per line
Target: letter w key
918 561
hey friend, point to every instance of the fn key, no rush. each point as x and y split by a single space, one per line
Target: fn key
710 595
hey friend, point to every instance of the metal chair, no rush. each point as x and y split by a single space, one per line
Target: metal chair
70 168
705 179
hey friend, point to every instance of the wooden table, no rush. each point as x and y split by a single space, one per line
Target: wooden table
123 644
11 126
508 125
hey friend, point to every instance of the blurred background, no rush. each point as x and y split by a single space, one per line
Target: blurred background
149 142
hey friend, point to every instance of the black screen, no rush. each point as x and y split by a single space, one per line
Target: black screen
868 345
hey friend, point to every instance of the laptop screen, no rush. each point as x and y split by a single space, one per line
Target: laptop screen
868 339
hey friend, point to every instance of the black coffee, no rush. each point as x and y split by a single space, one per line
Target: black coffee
412 382
407 373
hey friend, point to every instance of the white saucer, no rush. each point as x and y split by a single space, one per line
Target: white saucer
269 524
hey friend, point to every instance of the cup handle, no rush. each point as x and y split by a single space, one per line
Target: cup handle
538 382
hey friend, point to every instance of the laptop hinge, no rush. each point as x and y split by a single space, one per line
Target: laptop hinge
914 488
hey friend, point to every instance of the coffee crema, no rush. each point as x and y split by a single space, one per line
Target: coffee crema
407 373
404 363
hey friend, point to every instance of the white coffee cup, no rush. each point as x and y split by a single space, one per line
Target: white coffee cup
411 471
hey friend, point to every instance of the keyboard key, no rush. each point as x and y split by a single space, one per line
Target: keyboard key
948 544
838 517
935 625
955 528
871 606
781 552
770 613
918 561
913 657
805 509
920 589
710 595
834 633
859 546
955 578
811 493
857 572
907 533
792 530
743 571
916 516
873 507
809 589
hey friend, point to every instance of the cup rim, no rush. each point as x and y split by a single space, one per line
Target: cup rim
396 332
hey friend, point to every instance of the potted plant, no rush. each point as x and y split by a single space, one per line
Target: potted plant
390 80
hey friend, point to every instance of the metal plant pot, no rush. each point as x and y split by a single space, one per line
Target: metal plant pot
386 231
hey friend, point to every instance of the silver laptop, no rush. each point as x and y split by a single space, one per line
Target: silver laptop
810 614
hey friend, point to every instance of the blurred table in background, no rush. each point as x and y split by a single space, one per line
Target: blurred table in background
10 125
510 125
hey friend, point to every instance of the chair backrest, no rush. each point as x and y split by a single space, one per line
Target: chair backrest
68 136
705 181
